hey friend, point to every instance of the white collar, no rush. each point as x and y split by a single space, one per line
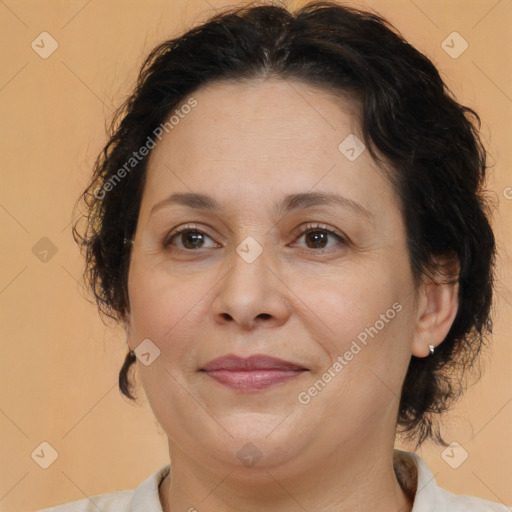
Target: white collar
428 495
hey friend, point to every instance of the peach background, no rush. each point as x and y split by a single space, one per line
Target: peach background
59 362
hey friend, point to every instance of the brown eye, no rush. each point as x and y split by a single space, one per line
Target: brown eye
320 237
316 239
192 239
188 239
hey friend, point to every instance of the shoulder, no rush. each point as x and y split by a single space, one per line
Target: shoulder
429 496
144 497
114 502
457 503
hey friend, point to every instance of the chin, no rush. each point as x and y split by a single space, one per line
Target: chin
255 442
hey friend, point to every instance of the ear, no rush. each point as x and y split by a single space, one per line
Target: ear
438 303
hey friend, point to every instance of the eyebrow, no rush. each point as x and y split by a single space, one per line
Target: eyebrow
289 203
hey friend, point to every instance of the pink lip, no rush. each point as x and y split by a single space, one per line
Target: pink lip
253 373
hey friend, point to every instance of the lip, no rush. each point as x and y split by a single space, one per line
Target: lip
252 373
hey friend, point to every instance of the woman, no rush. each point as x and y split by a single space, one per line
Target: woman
289 222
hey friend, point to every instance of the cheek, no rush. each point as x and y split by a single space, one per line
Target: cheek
160 301
170 311
364 321
345 305
165 310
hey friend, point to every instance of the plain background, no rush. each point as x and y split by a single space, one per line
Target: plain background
59 362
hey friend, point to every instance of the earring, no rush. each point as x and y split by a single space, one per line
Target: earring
431 348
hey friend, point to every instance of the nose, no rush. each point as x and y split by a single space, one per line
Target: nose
251 294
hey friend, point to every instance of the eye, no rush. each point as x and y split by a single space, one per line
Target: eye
188 238
317 236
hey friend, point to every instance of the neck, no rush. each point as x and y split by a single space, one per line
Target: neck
365 482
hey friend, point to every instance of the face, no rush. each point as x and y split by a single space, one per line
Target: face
321 279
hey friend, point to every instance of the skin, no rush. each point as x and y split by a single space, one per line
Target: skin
248 145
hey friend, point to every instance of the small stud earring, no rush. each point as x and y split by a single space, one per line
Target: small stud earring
431 348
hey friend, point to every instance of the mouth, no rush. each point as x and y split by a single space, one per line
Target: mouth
251 374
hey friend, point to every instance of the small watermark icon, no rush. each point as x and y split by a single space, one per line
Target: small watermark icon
44 455
454 45
44 250
454 455
147 352
351 147
507 192
44 45
249 455
249 249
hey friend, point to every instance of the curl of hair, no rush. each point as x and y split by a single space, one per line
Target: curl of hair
125 385
410 120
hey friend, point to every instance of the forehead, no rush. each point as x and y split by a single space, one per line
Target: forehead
285 114
262 136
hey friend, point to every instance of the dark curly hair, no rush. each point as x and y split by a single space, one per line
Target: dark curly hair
409 118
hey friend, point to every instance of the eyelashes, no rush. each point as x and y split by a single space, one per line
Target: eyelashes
186 230
193 239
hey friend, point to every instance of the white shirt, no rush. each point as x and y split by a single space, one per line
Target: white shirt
429 496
